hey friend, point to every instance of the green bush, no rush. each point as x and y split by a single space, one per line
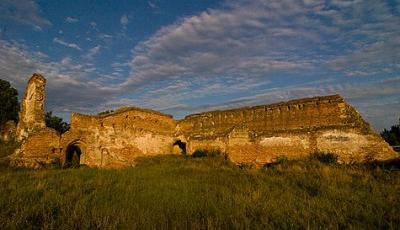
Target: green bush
199 153
247 166
9 106
206 153
56 123
392 136
324 157
7 147
281 159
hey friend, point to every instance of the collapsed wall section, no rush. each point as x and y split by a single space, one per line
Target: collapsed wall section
261 134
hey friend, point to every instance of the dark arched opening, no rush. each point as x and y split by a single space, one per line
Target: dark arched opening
181 145
73 157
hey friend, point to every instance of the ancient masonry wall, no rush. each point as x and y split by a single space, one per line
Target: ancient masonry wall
253 135
117 139
261 134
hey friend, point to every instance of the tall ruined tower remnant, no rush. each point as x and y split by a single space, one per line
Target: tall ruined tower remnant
32 116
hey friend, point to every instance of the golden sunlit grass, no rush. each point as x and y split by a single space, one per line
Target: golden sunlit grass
198 193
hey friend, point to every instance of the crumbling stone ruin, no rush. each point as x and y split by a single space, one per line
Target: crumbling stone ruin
31 116
252 135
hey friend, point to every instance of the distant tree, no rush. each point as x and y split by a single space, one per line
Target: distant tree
56 123
392 136
9 106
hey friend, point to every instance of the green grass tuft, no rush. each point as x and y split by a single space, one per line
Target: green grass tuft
7 147
327 158
207 153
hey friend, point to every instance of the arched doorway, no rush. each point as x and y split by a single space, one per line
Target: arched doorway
181 145
73 156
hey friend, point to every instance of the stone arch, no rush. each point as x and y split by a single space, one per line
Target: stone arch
179 147
74 154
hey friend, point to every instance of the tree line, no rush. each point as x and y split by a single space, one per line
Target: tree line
392 135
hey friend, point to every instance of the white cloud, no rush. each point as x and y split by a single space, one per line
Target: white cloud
69 86
254 41
105 37
242 40
93 25
92 52
124 21
25 12
66 44
71 20
345 3
254 38
369 60
151 4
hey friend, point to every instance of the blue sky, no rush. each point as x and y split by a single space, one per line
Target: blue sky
183 56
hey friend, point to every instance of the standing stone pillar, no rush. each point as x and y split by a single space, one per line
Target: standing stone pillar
32 116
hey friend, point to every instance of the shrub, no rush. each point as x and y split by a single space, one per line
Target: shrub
9 106
53 164
56 123
206 153
7 147
247 166
391 164
392 136
281 159
325 157
199 153
106 112
277 161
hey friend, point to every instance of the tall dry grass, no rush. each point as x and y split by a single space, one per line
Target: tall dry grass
177 192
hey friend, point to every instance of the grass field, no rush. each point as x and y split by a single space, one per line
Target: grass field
174 192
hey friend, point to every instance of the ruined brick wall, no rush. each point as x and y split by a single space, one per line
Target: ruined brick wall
41 148
252 135
261 134
117 139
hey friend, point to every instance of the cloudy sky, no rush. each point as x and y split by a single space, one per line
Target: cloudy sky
186 56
